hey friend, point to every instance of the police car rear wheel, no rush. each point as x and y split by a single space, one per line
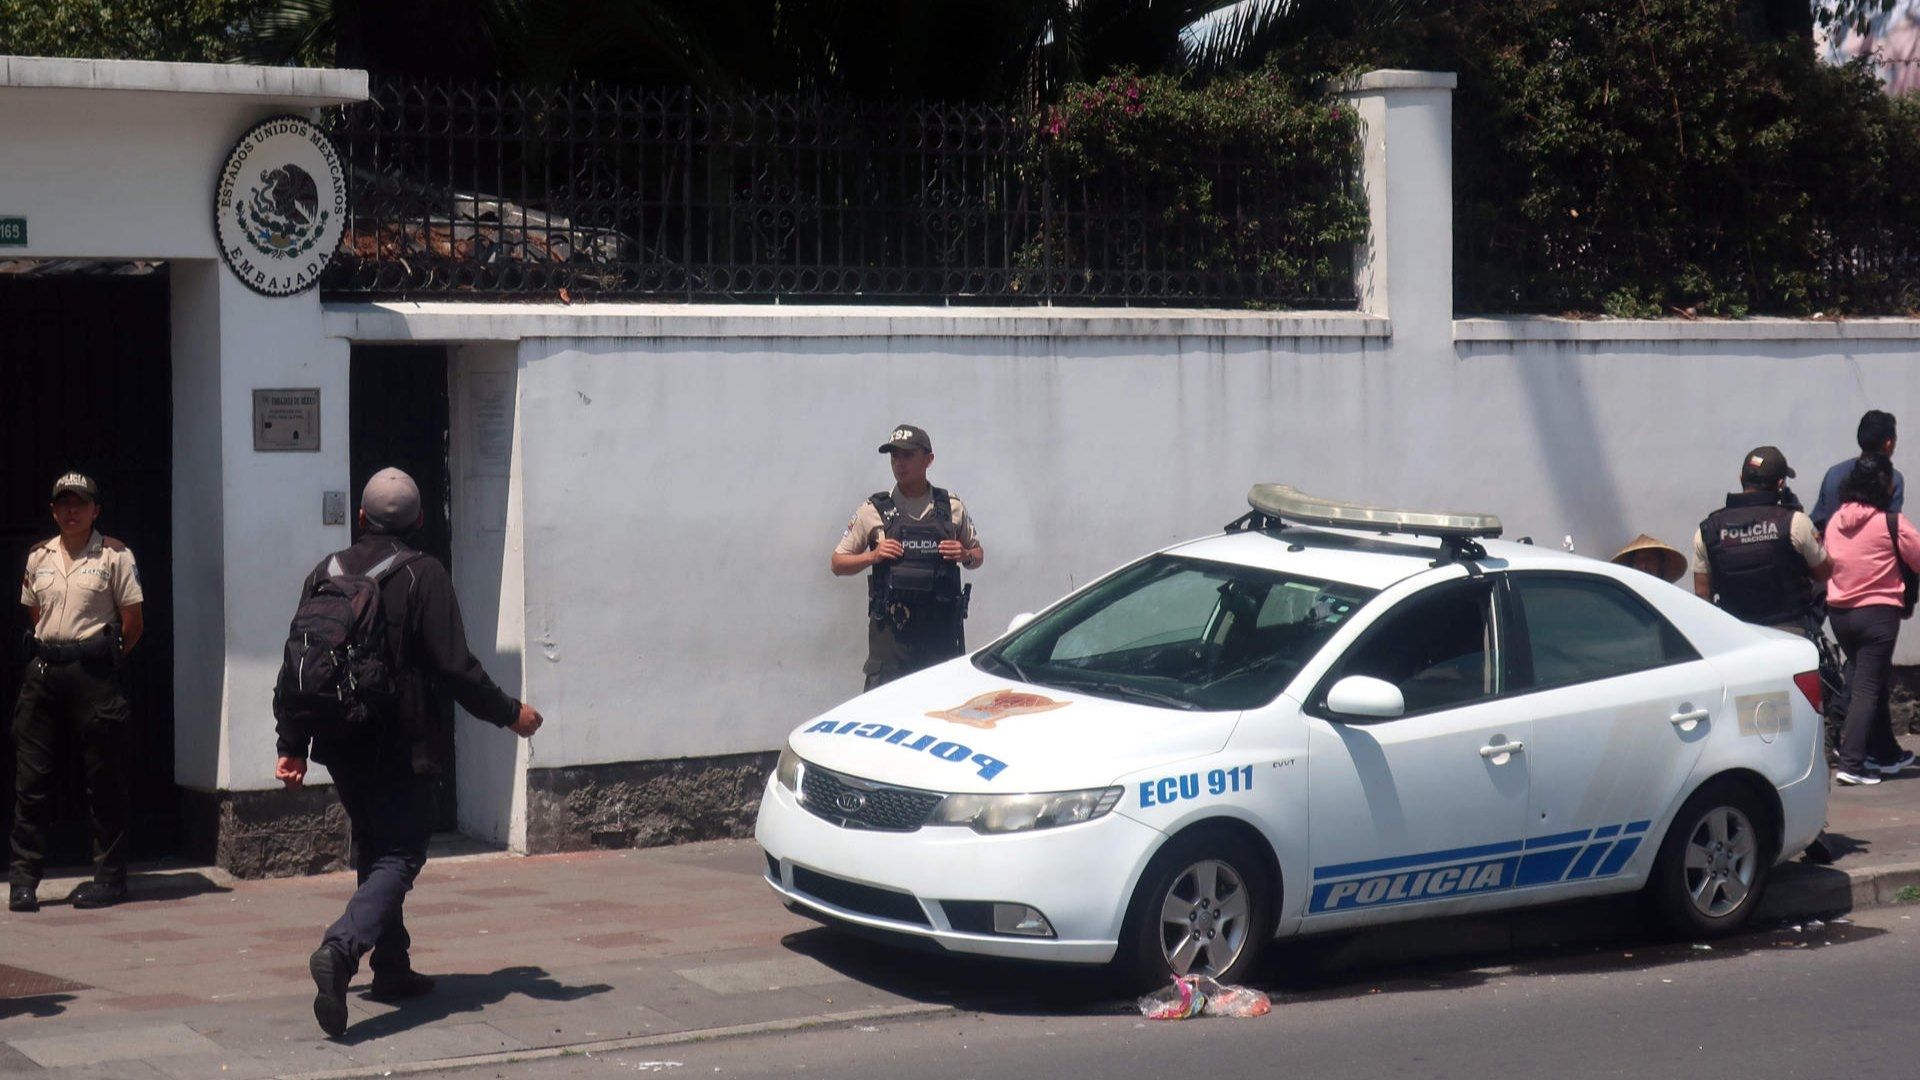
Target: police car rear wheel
1202 908
1713 863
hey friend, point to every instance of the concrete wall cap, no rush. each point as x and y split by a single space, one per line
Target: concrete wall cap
393 321
293 87
1521 328
1401 79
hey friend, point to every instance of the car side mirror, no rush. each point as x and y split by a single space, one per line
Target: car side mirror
1019 621
1364 695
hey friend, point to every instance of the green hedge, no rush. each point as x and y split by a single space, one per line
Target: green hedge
1248 176
1654 158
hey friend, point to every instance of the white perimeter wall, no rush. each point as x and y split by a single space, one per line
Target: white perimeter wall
646 495
681 472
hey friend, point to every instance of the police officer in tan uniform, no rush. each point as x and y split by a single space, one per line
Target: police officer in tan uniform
912 541
82 592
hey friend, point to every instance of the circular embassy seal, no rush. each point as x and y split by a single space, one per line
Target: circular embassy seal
281 206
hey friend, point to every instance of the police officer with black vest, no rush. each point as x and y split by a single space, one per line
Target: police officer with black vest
913 540
1759 556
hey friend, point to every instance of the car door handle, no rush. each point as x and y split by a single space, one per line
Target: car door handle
1500 749
1686 718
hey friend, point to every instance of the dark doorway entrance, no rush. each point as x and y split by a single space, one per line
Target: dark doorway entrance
398 417
89 386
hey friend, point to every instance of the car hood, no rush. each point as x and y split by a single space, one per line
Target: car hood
956 728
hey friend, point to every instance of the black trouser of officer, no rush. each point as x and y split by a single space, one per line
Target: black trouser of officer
392 815
82 695
910 637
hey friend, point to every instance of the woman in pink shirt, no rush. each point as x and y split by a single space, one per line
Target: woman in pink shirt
1865 600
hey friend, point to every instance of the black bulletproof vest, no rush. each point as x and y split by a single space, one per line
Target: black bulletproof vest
920 573
1758 575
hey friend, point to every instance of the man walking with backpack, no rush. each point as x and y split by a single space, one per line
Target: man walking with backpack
375 623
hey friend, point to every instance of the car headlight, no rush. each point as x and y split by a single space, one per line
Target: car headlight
1020 813
787 771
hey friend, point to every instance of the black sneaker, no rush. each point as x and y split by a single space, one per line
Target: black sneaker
330 977
407 984
23 898
1897 765
97 894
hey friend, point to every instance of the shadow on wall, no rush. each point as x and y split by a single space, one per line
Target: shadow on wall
1635 437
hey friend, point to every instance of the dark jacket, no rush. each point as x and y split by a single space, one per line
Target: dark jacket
429 646
1829 500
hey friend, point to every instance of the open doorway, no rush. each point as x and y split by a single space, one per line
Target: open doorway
85 351
398 417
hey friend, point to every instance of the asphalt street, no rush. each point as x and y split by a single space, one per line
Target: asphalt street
1813 1000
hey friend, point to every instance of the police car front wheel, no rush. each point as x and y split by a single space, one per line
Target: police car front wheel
1713 863
1203 907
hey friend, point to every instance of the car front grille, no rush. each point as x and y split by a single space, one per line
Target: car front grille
860 899
853 803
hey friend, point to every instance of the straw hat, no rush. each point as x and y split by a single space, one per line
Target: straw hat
1672 563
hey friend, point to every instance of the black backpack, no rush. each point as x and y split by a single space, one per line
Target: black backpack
337 676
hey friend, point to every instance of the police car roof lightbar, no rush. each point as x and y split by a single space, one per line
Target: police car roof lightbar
1277 505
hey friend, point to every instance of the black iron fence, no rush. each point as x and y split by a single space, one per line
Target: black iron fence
515 192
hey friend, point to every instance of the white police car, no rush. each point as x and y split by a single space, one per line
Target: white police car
1328 716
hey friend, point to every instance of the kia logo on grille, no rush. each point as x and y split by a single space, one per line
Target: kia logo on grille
849 802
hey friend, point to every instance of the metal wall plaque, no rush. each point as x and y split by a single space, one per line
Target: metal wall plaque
286 419
13 232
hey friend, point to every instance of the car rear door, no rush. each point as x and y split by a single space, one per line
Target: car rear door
1621 706
1406 814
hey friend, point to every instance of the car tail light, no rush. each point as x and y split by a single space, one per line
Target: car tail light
1809 684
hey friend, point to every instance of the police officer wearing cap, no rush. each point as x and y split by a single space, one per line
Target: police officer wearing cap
82 592
912 541
1759 556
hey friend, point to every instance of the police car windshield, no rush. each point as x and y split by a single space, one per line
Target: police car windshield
1180 632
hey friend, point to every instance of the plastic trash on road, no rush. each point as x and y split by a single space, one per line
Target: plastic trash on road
1197 995
1235 1001
1177 1002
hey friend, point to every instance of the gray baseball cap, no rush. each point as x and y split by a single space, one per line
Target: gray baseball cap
391 501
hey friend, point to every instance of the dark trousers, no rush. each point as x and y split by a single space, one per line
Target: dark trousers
1867 635
83 697
392 817
910 639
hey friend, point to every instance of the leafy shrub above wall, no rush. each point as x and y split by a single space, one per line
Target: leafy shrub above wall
1652 157
1243 176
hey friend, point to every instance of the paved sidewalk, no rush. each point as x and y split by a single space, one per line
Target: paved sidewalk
203 976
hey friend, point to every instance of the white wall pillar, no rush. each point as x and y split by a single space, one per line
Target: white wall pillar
1405 267
273 532
484 397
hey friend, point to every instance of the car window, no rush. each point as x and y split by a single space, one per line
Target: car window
1171 608
1436 646
1181 632
1582 628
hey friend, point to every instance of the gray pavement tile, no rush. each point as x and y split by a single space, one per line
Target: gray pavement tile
750 976
221 1066
153 1002
15 1063
107 1070
707 1010
575 1024
59 1051
849 994
296 1056
393 1037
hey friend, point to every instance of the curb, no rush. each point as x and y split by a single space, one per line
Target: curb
675 1038
1799 890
